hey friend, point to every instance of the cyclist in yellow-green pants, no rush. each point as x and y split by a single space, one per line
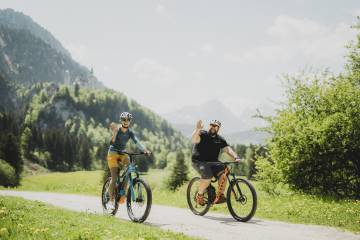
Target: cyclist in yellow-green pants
121 134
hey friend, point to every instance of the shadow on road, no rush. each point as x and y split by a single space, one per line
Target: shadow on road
231 221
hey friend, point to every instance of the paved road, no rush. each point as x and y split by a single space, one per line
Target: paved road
212 226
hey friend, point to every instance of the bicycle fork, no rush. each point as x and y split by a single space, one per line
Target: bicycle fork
240 197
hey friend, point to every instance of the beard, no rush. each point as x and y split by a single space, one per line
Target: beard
212 132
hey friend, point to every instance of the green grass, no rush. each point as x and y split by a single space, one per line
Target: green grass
82 182
24 219
289 206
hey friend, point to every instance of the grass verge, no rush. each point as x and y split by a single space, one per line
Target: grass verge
24 219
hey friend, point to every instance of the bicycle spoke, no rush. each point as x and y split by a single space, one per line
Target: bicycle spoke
139 206
242 204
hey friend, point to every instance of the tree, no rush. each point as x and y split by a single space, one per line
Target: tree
315 146
25 141
77 90
7 174
179 173
10 152
84 154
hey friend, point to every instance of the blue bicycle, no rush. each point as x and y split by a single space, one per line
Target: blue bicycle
138 196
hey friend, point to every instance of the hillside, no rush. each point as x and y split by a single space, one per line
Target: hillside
29 54
56 113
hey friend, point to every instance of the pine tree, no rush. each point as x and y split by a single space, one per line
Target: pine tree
77 90
84 154
179 174
25 141
11 154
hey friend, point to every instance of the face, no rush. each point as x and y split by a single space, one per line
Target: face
125 122
213 129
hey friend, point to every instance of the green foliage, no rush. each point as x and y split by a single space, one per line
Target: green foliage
179 173
10 152
316 140
316 134
77 90
7 174
25 143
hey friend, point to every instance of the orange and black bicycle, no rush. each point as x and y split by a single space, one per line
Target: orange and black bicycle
241 195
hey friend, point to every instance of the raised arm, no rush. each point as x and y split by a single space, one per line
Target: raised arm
114 128
195 137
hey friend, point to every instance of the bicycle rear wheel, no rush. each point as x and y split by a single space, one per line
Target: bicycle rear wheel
139 208
194 206
105 198
241 200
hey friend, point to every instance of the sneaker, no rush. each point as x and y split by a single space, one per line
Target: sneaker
200 199
110 205
219 199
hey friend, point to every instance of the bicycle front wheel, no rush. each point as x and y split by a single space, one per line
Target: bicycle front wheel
241 200
139 203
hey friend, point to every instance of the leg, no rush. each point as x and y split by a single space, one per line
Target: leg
204 183
124 162
113 165
205 172
114 172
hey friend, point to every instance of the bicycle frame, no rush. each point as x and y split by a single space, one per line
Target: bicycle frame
240 197
128 178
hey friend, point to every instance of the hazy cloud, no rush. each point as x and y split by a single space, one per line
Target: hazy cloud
152 72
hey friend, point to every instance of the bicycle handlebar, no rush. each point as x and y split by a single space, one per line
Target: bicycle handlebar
126 152
220 163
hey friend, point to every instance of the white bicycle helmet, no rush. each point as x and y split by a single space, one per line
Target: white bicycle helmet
216 122
126 115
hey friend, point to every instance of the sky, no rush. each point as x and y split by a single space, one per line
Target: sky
172 53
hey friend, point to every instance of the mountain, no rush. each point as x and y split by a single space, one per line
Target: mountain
64 126
247 137
187 116
19 21
239 129
29 54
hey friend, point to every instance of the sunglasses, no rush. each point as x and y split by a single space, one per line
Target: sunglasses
124 120
214 125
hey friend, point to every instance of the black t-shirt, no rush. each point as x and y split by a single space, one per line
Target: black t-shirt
208 149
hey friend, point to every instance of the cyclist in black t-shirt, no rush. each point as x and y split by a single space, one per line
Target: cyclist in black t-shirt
207 147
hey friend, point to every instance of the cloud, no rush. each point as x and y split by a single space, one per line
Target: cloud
356 12
207 49
293 41
161 10
149 71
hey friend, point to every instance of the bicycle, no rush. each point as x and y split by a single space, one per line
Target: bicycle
135 197
240 192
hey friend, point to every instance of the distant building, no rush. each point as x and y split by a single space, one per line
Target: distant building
67 78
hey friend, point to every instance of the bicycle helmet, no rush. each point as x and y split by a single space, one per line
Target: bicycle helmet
215 122
126 115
